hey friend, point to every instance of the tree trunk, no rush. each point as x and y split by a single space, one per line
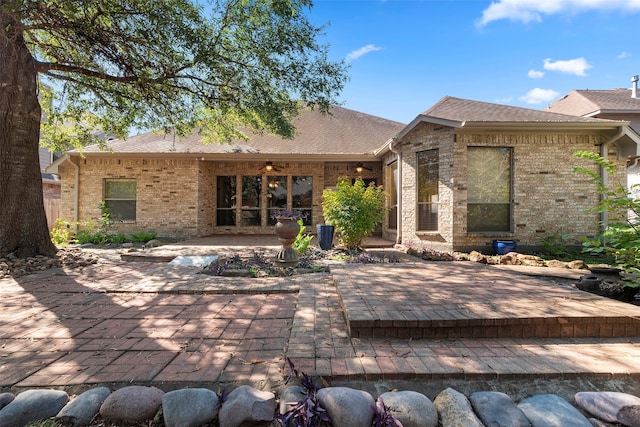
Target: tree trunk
23 222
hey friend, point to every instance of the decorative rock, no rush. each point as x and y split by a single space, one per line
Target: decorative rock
347 407
550 410
509 259
577 264
289 397
554 263
247 406
5 399
629 416
605 404
132 404
81 410
153 243
32 405
411 408
454 410
497 409
191 407
476 256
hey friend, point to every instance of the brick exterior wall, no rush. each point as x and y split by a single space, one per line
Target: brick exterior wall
177 197
549 198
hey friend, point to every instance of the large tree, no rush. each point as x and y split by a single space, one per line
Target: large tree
222 67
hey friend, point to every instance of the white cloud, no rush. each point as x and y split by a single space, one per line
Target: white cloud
362 51
576 66
535 74
624 55
538 96
532 10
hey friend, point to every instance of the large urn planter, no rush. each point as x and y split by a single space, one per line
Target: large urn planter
325 236
287 229
503 247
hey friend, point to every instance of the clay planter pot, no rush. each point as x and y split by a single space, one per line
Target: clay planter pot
287 229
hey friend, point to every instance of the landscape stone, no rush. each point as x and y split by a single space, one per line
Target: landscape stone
81 410
153 243
550 410
629 416
605 404
411 408
5 399
247 406
191 407
132 404
347 407
497 410
454 410
290 396
32 405
554 263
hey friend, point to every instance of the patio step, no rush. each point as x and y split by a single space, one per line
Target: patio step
549 327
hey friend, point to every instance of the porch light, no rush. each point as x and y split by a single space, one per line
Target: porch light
359 167
268 166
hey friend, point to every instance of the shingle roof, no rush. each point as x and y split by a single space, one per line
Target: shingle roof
343 132
465 110
590 102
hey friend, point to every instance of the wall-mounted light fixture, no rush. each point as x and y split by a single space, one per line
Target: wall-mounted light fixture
360 167
268 166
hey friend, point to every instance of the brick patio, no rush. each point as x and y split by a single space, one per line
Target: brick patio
149 323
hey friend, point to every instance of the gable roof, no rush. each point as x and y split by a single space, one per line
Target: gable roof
590 103
344 133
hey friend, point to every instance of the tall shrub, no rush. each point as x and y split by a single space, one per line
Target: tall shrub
354 210
621 239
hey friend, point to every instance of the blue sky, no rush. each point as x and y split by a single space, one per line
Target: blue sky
405 55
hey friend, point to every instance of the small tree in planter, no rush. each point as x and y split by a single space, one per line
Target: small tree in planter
354 210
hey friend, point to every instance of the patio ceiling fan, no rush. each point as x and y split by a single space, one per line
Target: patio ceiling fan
270 167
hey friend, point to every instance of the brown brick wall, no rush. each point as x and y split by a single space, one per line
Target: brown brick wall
177 198
549 198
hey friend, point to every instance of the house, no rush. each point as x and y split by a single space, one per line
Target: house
183 188
50 186
469 172
615 104
460 175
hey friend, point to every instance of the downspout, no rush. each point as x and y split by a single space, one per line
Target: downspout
76 183
398 154
604 216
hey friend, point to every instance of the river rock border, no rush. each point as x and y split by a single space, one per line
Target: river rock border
346 407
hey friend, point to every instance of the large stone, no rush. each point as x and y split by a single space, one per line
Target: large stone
246 406
550 410
191 407
629 416
411 408
290 397
454 410
347 407
32 405
605 404
81 410
5 399
132 404
497 410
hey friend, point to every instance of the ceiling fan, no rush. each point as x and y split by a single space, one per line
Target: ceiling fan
270 167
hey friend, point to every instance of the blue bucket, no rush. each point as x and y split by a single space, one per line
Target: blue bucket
503 247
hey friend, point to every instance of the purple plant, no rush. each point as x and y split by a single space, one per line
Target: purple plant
288 213
382 416
307 412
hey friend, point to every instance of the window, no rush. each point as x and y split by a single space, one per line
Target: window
226 200
302 196
251 200
120 199
428 165
489 190
392 194
276 196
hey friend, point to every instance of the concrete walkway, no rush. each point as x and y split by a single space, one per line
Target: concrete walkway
150 323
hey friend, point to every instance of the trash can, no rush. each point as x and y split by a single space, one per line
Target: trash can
325 236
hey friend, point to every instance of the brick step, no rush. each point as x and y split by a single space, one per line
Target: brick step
547 327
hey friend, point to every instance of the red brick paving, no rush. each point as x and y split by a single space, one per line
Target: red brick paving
140 322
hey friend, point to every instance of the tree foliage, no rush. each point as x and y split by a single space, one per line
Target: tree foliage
354 210
226 67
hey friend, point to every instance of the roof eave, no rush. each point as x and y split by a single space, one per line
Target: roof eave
237 157
547 125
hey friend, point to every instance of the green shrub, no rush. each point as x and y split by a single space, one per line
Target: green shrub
354 210
303 240
620 240
61 234
143 236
